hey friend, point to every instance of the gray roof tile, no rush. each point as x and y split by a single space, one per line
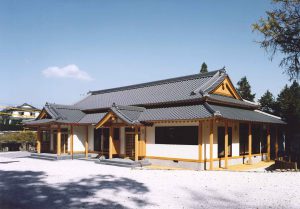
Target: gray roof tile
164 91
245 115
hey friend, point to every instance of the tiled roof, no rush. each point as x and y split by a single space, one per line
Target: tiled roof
229 101
65 112
164 91
92 118
245 115
129 114
176 113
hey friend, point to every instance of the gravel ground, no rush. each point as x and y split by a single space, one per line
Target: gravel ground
30 183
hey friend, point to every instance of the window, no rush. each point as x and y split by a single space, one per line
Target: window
186 135
116 133
97 139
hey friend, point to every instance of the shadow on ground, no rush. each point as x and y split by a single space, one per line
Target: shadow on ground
27 189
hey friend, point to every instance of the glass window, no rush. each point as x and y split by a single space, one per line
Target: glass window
185 135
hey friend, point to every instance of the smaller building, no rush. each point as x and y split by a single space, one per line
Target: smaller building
11 118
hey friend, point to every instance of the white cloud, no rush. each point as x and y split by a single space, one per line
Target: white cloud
69 71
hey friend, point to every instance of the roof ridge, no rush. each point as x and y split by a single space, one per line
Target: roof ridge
158 82
62 106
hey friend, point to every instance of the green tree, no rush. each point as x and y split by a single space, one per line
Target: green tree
267 102
288 107
203 68
244 89
281 32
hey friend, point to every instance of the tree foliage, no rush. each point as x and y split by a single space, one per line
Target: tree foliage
288 105
203 68
21 137
281 32
267 102
244 89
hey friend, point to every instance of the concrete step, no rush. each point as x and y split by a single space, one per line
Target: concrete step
42 158
46 156
124 162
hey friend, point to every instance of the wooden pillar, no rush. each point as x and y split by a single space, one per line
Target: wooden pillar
38 141
211 145
136 144
226 144
276 144
268 143
72 142
58 141
87 142
110 142
250 143
200 142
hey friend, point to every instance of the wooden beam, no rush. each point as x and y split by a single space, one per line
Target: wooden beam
103 120
38 141
226 144
250 143
72 142
110 142
268 143
136 144
87 142
58 141
211 145
276 143
200 140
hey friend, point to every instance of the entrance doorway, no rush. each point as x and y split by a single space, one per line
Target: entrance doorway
63 143
130 142
221 141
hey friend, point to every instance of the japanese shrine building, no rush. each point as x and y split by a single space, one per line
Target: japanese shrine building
198 121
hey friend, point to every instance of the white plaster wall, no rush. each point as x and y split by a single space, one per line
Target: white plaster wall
173 151
169 150
78 138
91 138
235 139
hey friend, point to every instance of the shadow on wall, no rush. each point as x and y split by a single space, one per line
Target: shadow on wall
27 189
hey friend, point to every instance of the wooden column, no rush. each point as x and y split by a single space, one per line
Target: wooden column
211 145
38 141
250 143
58 142
87 142
200 141
276 144
226 144
136 144
110 142
72 142
268 143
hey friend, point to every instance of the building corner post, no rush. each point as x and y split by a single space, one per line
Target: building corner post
226 144
268 143
110 142
136 144
200 141
58 141
72 142
38 141
211 145
250 144
87 142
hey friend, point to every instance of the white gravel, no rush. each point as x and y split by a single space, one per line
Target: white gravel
30 183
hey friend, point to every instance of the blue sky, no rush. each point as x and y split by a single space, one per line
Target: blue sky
56 51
